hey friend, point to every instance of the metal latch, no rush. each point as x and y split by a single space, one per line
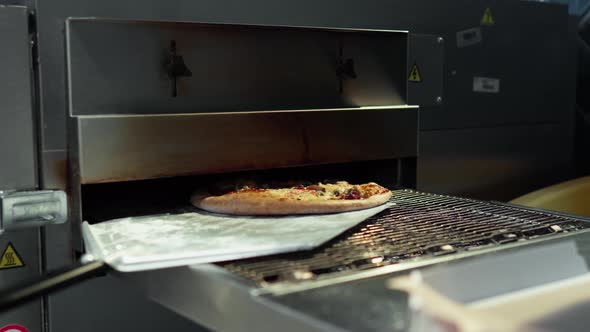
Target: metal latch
21 209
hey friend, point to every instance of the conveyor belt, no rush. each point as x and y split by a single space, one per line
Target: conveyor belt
418 225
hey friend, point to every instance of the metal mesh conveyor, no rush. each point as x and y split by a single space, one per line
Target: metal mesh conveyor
418 225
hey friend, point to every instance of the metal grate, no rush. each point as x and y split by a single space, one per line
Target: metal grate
420 224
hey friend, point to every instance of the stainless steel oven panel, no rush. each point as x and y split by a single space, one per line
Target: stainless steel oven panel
174 67
131 147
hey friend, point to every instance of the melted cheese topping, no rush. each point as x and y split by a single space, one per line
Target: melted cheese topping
337 191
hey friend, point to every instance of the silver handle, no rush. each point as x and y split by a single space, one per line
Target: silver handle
22 209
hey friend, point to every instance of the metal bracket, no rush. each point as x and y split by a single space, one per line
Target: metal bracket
344 68
22 209
175 67
425 70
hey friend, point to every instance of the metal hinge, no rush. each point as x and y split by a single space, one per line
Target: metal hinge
22 209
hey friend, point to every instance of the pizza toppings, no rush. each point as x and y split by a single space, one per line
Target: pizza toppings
340 190
317 188
352 193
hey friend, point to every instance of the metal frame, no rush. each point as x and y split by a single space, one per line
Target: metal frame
258 308
18 167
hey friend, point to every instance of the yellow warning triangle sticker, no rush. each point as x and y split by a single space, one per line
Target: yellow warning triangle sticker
487 18
415 74
10 258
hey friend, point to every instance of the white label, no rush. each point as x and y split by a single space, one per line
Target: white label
468 37
486 84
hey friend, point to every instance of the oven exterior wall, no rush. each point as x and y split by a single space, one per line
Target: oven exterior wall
476 114
18 157
494 171
498 146
26 244
17 126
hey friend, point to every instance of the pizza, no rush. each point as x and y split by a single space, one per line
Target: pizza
316 198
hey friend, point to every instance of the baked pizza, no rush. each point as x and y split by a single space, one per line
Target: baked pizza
316 198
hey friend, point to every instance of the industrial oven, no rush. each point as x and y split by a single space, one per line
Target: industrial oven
131 110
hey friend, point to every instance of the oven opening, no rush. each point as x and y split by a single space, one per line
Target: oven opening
106 201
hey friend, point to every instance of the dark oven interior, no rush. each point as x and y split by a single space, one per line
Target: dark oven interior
106 201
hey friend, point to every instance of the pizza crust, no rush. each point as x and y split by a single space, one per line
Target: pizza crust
252 204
